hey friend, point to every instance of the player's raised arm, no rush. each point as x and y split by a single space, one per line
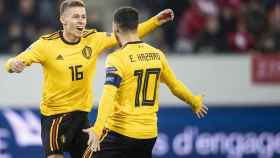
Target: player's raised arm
33 54
144 28
158 20
181 91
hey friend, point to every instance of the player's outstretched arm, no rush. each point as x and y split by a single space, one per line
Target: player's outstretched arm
33 54
181 91
144 28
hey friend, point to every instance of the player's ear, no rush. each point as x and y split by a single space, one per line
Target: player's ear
115 27
62 20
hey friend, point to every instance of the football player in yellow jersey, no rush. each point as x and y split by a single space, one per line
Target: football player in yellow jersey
129 103
68 58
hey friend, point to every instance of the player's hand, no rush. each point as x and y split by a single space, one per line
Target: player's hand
199 108
165 16
17 66
202 112
93 140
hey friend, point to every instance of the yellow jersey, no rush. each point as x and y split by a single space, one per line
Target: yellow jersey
129 103
69 67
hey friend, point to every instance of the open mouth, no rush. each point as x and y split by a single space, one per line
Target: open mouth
80 28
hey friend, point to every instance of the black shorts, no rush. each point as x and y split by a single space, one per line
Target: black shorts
63 133
115 145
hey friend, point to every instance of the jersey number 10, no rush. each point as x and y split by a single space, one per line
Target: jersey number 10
144 86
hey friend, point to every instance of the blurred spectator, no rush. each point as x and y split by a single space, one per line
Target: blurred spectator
170 29
274 17
255 17
227 21
193 22
28 16
209 39
190 26
241 40
17 40
47 13
269 42
27 10
270 39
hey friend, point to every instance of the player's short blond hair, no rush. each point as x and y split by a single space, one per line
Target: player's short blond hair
70 3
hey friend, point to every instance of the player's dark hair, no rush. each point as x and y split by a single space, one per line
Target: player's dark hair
126 18
70 3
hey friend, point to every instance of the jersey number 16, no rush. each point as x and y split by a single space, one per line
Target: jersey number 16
76 73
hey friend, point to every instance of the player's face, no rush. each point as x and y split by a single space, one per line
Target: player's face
74 21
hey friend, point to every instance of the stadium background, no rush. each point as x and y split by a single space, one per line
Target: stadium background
227 49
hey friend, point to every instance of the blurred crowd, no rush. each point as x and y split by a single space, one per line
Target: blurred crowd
220 26
23 21
212 26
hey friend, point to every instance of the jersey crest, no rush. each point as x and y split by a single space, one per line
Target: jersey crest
87 52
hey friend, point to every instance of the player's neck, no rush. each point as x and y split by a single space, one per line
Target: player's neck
128 37
70 38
